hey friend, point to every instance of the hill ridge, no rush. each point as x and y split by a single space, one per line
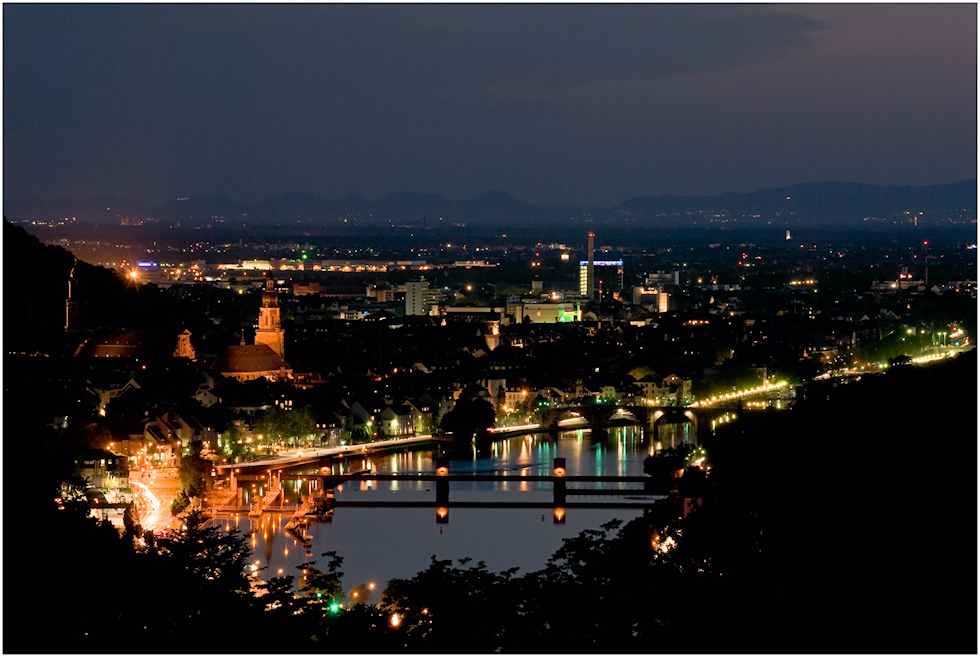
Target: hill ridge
828 203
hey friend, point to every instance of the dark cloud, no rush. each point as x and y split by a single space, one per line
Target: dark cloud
583 103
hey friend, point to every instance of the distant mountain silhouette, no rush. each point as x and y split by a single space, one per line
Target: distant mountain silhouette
99 208
412 205
824 203
197 211
497 206
293 208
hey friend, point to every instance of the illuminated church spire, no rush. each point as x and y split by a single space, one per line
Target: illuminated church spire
270 331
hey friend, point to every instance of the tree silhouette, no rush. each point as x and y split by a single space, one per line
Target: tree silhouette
469 418
194 470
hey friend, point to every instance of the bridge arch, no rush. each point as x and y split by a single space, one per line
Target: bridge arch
673 415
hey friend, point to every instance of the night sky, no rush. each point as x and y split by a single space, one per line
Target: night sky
590 104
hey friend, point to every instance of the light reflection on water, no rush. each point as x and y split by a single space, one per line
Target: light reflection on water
378 544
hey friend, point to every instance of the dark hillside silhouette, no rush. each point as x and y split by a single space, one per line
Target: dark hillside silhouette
35 290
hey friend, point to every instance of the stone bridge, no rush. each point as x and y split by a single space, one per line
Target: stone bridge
601 416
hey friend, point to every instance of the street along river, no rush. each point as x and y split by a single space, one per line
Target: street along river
380 543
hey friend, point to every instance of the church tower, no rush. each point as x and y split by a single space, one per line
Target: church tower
270 331
184 347
73 306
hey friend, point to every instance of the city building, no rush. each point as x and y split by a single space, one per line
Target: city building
302 289
381 293
417 298
655 297
655 290
587 271
552 313
602 276
396 421
899 285
476 314
119 343
102 469
662 279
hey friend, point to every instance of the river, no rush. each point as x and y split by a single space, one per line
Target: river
378 544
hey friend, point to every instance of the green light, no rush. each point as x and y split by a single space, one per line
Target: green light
334 607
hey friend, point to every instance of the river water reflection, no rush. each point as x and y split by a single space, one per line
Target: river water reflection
378 544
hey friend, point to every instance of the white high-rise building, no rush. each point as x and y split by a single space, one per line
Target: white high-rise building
416 298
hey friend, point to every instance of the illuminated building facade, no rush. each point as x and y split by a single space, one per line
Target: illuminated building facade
606 275
553 313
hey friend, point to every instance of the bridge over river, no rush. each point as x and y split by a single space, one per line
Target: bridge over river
588 491
603 416
703 415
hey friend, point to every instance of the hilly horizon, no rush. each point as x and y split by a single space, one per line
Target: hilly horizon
828 203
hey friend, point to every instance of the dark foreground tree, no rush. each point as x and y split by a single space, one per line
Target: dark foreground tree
194 470
452 608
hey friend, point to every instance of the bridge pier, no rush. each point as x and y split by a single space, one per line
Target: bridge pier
442 490
559 490
442 484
